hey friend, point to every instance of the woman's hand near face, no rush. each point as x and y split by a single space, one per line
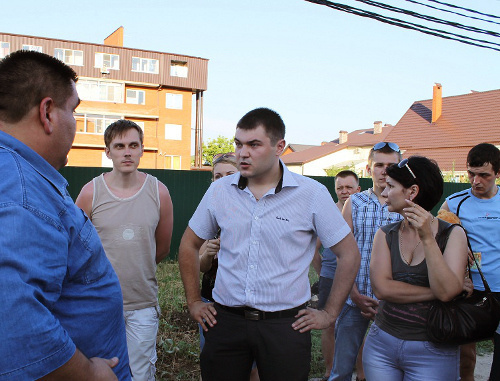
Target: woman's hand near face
419 218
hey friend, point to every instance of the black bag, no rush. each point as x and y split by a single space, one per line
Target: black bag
464 319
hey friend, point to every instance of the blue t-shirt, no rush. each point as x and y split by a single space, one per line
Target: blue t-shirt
57 288
481 218
328 263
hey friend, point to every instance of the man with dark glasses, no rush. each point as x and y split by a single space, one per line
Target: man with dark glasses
364 212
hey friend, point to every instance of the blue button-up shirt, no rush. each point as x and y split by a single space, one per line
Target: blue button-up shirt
368 215
58 291
267 245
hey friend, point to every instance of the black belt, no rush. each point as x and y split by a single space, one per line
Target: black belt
254 314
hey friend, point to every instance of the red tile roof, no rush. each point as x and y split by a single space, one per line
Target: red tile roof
466 120
358 138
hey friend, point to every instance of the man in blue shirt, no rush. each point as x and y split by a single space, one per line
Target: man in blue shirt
325 264
479 211
365 213
269 220
61 299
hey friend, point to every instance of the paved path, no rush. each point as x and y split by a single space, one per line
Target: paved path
483 366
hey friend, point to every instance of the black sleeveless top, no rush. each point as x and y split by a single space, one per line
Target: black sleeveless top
407 321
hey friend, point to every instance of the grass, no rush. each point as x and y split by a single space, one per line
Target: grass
178 338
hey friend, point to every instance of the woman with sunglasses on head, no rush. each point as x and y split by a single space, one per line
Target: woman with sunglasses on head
408 270
223 165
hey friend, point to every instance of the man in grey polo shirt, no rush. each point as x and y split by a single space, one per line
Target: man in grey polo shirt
269 220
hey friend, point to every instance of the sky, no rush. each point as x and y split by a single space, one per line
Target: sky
323 70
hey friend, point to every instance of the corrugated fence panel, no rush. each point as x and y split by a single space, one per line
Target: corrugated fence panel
188 187
365 183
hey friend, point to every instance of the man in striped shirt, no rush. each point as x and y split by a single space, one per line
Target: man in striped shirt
365 213
269 219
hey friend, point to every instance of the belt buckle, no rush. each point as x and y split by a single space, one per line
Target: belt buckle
252 315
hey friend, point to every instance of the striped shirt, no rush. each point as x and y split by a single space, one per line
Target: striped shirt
368 215
267 246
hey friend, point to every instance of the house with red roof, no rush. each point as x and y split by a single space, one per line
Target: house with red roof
350 149
445 129
296 148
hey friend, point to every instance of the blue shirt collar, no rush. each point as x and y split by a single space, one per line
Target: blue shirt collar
38 163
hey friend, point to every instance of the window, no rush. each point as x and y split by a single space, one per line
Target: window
93 124
105 161
137 97
140 124
70 57
173 132
108 61
145 65
34 48
96 90
179 69
174 101
171 162
4 49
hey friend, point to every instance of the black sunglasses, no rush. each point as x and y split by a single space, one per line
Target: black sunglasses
381 145
404 163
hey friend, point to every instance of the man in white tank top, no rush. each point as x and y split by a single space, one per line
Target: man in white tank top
132 212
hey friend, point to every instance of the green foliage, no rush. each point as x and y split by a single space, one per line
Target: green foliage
218 145
178 338
333 170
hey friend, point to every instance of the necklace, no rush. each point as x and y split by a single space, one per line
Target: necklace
407 261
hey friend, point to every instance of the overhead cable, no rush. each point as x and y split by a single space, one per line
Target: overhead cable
409 25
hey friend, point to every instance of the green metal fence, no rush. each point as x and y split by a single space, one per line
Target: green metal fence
188 187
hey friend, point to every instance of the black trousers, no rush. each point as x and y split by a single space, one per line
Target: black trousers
231 346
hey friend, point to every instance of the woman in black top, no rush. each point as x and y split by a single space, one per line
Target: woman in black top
408 269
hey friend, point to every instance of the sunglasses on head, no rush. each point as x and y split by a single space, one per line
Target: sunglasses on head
404 163
381 145
222 156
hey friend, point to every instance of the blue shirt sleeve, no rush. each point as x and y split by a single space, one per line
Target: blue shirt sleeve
33 265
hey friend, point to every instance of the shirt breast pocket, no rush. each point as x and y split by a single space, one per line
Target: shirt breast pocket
88 262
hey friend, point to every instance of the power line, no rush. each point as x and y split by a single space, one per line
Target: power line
412 26
428 18
465 9
453 12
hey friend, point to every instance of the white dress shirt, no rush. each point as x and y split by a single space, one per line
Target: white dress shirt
267 245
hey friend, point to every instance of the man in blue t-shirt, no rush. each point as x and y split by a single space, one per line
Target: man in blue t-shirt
61 298
325 264
479 211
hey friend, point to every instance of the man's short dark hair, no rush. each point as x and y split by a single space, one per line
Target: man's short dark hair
346 173
267 118
26 77
482 154
118 128
428 178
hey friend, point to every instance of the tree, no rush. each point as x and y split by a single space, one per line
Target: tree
220 144
333 170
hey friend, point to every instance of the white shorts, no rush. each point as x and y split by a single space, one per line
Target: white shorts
142 327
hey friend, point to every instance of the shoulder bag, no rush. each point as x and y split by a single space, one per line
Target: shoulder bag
464 319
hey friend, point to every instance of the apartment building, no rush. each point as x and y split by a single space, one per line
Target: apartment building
154 89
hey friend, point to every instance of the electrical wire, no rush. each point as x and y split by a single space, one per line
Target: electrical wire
455 13
412 26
